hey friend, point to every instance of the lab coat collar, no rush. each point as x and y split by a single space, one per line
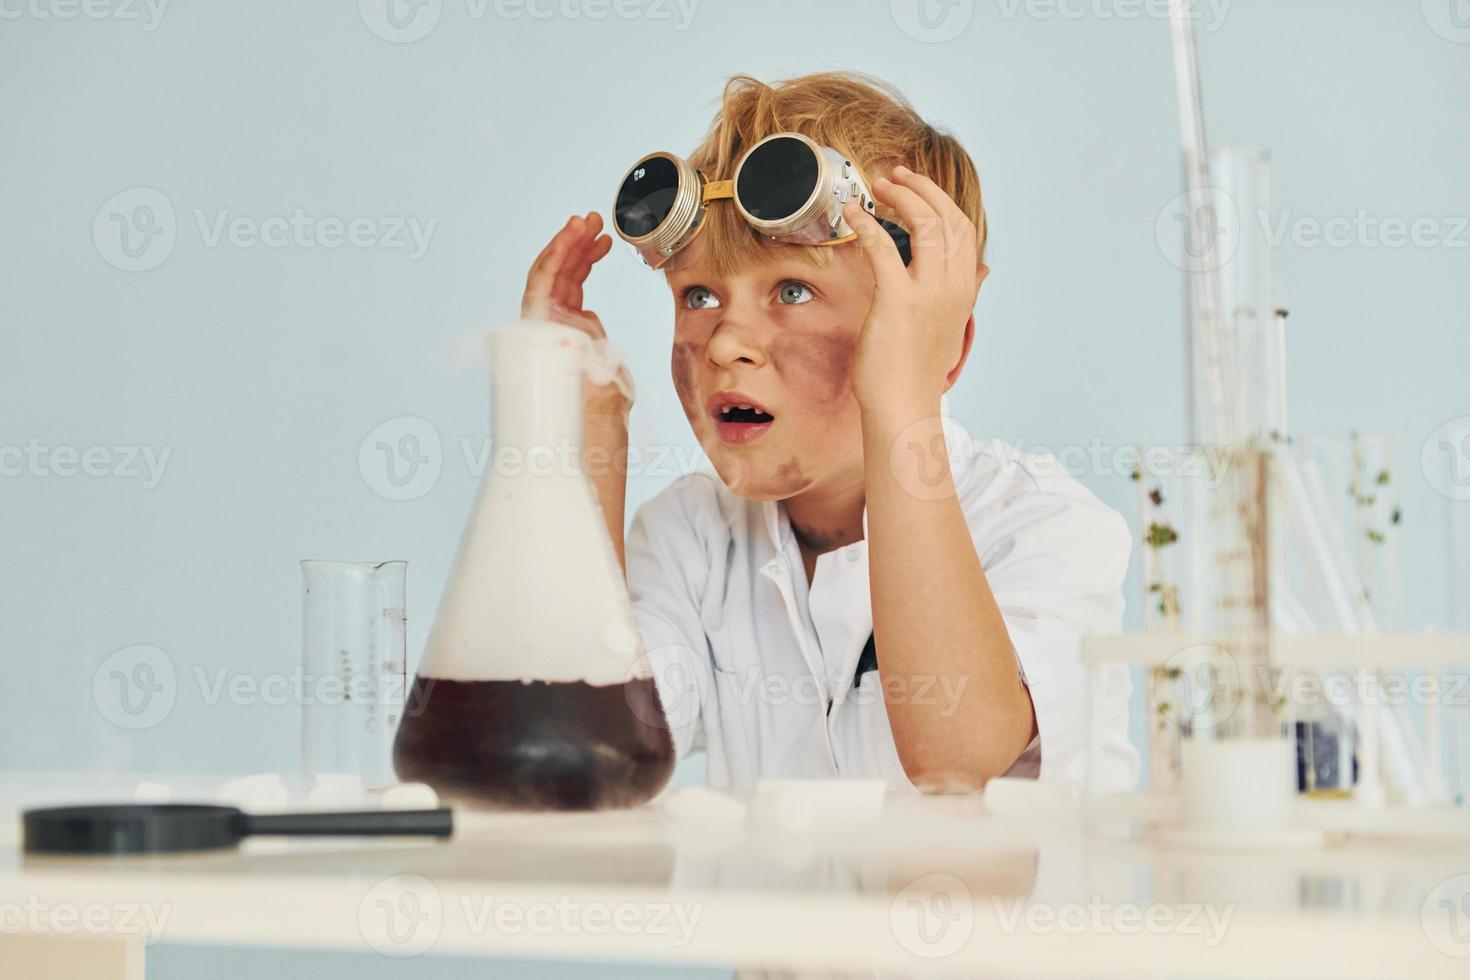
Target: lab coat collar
775 524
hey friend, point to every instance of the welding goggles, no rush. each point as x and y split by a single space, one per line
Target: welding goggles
787 187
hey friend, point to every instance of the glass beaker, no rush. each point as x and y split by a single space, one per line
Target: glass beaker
533 692
355 666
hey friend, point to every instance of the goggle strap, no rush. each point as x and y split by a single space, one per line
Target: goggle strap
718 190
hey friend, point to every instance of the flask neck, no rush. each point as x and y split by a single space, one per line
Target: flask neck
536 401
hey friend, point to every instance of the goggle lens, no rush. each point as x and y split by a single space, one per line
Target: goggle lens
646 197
777 178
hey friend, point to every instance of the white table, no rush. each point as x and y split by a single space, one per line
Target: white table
928 887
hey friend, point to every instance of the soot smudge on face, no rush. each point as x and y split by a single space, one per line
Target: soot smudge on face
789 477
821 363
682 365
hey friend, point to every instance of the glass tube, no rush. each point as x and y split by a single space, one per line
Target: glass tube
354 659
1165 498
1453 455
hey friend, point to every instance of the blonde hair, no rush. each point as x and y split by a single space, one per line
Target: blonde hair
866 120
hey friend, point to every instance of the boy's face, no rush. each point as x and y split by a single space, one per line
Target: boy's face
780 337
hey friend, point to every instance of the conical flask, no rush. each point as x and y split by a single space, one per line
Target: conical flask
533 692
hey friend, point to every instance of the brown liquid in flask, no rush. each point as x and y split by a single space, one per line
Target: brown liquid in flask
533 693
537 745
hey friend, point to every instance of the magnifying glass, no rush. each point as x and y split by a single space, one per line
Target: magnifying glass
156 828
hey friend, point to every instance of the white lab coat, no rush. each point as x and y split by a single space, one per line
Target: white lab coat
747 657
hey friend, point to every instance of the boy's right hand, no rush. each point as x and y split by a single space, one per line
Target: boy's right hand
554 292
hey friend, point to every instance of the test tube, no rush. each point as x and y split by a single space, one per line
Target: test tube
1458 606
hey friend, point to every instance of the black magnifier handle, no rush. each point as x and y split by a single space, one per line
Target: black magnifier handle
365 823
158 828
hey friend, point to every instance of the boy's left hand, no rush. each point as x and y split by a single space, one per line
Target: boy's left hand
913 339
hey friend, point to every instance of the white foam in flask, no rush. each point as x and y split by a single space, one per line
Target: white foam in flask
531 693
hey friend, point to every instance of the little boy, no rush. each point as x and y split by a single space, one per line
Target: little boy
857 590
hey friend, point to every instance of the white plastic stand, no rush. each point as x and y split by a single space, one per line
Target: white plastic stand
1239 793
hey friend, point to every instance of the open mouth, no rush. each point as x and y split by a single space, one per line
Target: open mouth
745 415
739 419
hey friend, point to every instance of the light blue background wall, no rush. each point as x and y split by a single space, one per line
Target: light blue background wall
262 370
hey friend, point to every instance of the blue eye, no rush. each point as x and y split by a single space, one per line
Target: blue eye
699 298
793 292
